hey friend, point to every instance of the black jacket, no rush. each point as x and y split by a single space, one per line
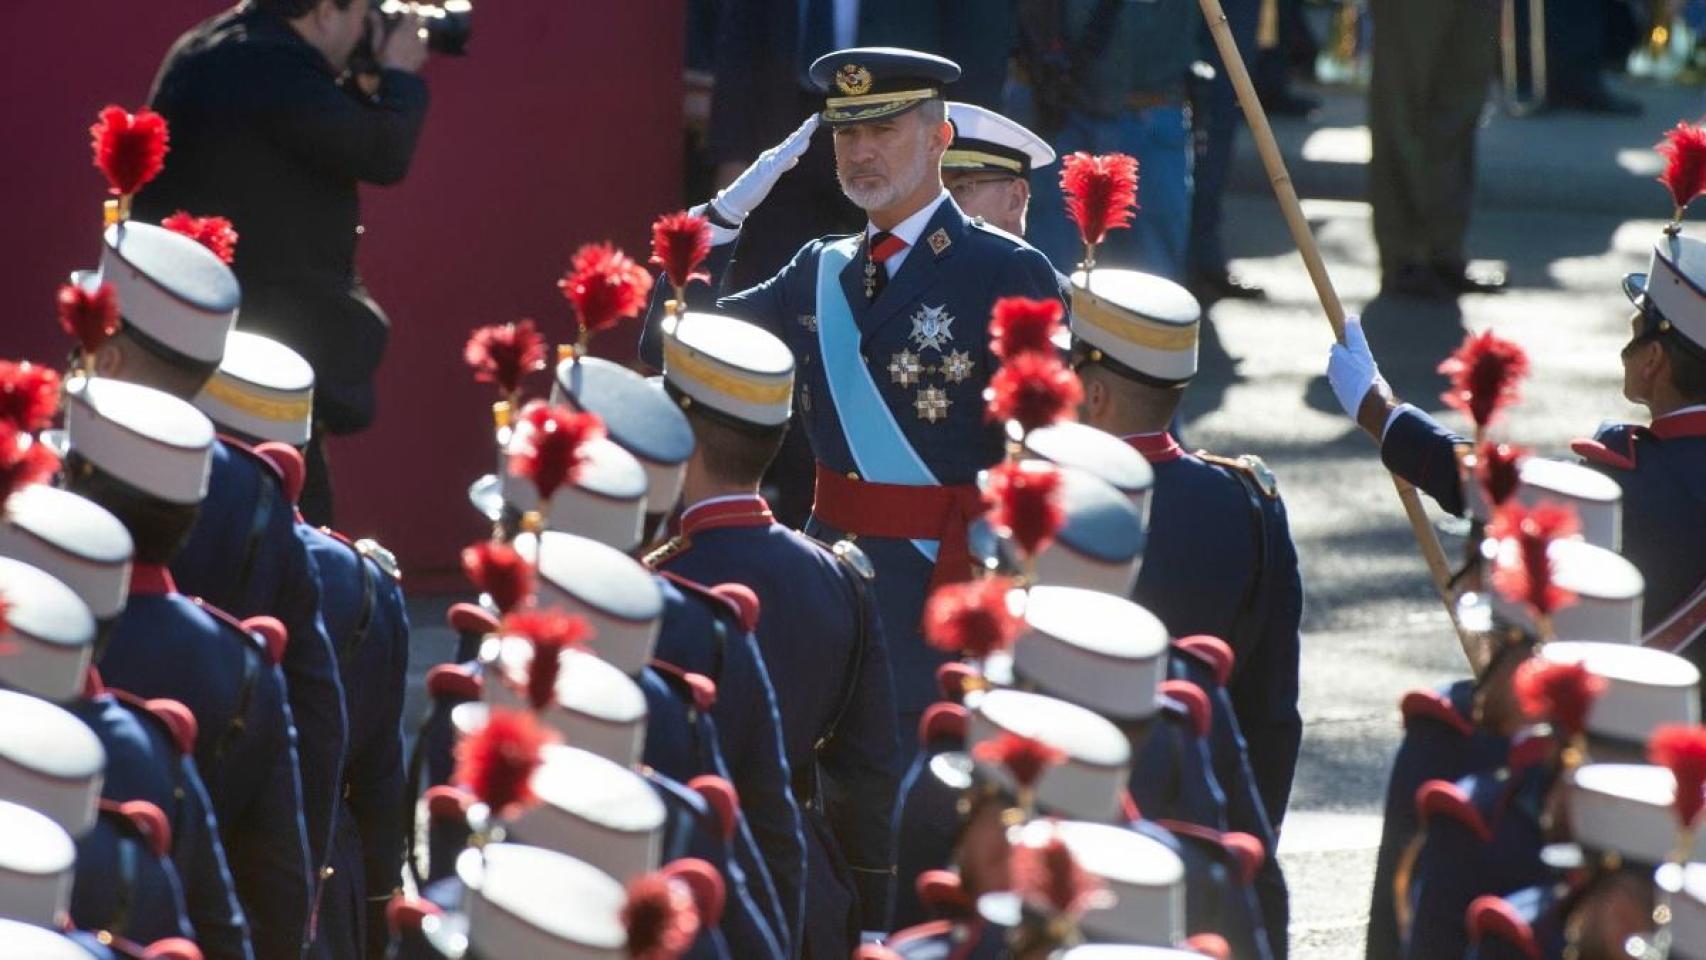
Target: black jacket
262 133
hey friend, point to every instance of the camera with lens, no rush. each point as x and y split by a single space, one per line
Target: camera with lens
448 23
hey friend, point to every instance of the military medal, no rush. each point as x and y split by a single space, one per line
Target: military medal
932 404
957 366
904 368
870 279
932 327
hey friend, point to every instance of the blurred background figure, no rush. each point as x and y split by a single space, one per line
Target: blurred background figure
1216 117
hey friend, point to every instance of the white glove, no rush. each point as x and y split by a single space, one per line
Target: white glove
1351 368
748 190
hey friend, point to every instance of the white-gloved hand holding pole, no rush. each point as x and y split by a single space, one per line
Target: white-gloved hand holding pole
1351 369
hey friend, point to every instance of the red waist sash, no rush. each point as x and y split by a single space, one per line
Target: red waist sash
940 513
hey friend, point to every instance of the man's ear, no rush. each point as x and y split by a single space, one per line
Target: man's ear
1018 195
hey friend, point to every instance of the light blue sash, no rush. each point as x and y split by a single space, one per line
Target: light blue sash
879 447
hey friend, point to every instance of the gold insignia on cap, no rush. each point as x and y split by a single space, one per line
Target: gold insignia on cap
853 80
939 241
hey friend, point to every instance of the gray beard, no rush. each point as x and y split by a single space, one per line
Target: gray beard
885 196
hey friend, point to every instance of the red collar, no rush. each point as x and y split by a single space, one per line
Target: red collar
1683 423
1155 447
92 685
750 511
149 580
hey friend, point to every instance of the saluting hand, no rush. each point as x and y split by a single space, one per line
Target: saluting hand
740 198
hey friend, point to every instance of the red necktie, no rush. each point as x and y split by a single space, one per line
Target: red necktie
883 246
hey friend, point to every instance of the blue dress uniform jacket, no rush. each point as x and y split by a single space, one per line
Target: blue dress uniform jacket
1661 470
926 823
243 557
168 645
1220 561
933 313
1441 742
145 762
126 885
1220 896
701 633
362 606
836 702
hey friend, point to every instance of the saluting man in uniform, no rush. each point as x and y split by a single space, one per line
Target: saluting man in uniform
834 693
887 329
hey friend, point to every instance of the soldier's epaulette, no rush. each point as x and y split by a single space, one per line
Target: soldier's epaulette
923 931
945 894
143 822
1491 917
471 618
270 468
261 643
943 725
1613 445
665 552
1251 467
1194 701
1428 705
1444 799
722 800
1242 849
453 682
172 716
726 599
1529 752
1213 652
696 688
987 227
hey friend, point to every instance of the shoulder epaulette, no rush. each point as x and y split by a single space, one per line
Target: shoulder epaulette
1250 466
233 625
696 687
1442 798
943 722
1529 752
1428 705
1212 651
380 557
471 618
726 606
267 466
665 552
945 894
174 717
1612 445
453 682
722 799
1194 700
923 931
146 822
1242 849
1494 917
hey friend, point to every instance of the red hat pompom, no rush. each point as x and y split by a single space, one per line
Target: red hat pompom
1021 325
1024 758
1049 878
500 572
1034 390
1498 469
604 285
504 354
1684 150
1485 372
1682 749
130 148
1025 504
214 233
550 445
971 619
496 763
29 395
89 316
1559 693
680 244
550 631
1101 193
23 460
1526 575
661 917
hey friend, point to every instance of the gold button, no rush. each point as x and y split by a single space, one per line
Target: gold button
852 474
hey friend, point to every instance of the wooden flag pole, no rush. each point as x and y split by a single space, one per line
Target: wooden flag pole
1304 238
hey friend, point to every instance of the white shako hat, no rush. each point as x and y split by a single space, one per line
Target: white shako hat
598 707
606 500
593 809
50 761
987 141
1595 497
529 903
37 861
262 389
1100 546
1096 650
151 440
1115 951
73 538
639 417
616 594
1688 915
739 371
1644 688
1625 808
1608 593
1144 324
172 290
1089 784
39 943
1098 453
1672 293
51 630
1146 879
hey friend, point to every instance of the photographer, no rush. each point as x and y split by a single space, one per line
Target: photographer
275 120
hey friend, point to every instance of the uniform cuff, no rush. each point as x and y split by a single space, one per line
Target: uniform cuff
1392 417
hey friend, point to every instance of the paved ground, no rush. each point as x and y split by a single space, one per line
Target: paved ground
1558 194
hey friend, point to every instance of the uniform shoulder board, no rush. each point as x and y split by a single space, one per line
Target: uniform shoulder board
171 715
665 552
1249 466
1442 798
1495 918
254 456
1428 705
380 557
1612 445
234 627
1194 700
1213 653
723 603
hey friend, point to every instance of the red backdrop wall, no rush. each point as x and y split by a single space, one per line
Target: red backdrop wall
562 126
